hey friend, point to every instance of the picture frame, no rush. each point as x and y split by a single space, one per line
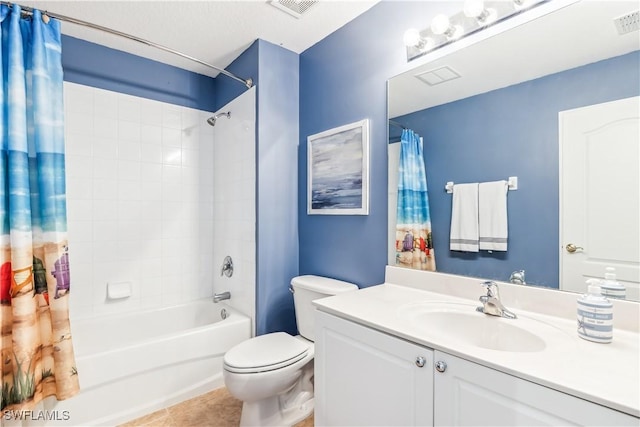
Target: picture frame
338 170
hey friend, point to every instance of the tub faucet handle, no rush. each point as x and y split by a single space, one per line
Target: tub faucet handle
227 267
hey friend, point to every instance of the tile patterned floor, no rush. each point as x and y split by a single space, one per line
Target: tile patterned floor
214 409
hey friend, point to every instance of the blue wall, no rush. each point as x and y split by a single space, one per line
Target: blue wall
276 73
98 66
339 80
343 79
245 66
278 106
512 132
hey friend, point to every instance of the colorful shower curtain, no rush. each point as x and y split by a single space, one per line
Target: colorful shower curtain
37 352
414 244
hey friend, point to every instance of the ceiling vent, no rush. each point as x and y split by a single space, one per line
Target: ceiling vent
628 23
293 7
438 75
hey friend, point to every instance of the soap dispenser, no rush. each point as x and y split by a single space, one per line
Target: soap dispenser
595 315
610 286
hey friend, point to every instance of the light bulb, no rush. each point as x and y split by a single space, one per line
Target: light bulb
473 8
412 37
522 4
488 16
440 24
429 44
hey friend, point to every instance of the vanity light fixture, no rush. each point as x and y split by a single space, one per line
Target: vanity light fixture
476 15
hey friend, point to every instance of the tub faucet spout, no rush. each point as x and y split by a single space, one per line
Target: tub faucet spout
221 296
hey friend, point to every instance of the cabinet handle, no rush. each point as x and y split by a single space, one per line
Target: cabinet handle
420 361
441 366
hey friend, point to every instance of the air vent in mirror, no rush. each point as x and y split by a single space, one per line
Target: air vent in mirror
628 23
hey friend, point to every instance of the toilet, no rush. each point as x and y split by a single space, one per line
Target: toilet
273 374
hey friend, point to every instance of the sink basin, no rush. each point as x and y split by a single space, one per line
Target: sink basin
462 323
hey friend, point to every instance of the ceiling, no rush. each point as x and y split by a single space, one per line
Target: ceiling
215 32
576 35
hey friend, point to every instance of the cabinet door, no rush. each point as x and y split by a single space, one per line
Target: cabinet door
368 378
468 394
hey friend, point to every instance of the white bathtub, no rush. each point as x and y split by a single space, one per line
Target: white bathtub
133 364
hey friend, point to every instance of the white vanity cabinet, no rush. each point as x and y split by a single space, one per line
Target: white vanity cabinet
368 378
364 377
469 394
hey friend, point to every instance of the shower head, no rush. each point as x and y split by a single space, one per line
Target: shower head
212 120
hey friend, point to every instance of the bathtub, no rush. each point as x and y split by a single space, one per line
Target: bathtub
133 364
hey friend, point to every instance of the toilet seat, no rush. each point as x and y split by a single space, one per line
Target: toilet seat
265 353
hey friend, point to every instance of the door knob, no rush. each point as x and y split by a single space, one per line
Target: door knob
441 366
571 248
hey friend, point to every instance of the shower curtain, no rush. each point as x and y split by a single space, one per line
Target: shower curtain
414 244
37 352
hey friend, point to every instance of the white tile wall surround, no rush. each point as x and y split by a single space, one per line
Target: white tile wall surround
141 204
233 209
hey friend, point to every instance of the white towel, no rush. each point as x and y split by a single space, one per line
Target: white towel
464 218
492 215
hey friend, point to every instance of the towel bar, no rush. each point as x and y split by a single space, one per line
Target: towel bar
512 184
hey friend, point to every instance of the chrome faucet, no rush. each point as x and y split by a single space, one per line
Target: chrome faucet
517 277
221 296
491 303
227 267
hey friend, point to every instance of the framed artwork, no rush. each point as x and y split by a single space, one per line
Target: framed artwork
338 171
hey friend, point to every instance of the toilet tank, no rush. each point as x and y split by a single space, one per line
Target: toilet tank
308 288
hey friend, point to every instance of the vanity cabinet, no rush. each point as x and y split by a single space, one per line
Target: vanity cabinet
469 394
366 377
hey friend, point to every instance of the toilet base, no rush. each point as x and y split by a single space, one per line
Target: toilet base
267 412
285 409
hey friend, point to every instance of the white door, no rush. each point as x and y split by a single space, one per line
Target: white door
599 194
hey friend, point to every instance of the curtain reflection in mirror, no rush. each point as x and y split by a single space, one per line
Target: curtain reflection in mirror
414 243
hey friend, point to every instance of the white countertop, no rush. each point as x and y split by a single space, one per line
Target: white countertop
607 374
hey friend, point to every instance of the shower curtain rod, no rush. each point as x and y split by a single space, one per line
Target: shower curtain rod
28 10
396 124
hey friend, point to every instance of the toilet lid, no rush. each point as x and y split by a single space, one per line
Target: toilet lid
265 352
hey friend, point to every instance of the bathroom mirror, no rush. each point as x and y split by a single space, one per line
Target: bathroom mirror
498 117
